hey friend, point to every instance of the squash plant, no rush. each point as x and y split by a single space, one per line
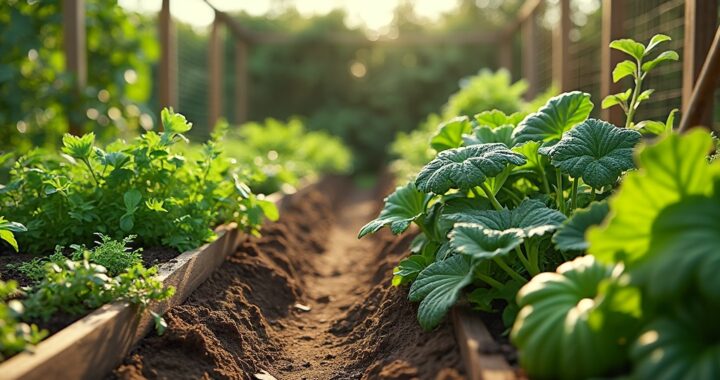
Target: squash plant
507 198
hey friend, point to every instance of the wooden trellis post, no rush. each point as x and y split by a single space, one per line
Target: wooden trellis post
73 13
215 67
612 29
561 73
700 24
703 93
241 81
505 55
168 60
529 31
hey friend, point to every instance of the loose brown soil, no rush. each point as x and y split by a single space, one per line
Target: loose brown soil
305 301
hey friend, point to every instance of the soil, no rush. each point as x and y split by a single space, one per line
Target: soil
307 300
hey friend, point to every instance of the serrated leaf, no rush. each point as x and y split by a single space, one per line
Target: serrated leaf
174 122
401 208
466 167
449 134
486 135
596 151
665 56
571 234
630 47
560 114
409 268
497 118
531 216
438 287
669 171
481 243
80 147
624 69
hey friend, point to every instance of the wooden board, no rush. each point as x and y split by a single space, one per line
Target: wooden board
480 352
97 343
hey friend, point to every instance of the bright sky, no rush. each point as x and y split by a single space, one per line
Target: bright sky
373 14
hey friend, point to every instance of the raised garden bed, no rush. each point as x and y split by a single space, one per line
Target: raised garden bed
96 343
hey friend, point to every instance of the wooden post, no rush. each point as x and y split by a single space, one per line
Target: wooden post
529 55
215 69
168 60
700 24
73 13
241 81
505 56
612 29
704 90
561 72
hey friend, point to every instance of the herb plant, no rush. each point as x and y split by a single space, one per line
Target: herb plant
147 187
15 336
508 197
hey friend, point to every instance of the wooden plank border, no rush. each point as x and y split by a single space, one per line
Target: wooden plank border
480 352
94 345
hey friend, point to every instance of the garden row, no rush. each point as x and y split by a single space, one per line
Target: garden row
163 215
594 243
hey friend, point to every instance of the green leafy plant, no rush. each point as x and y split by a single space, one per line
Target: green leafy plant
15 336
114 255
8 230
638 69
151 187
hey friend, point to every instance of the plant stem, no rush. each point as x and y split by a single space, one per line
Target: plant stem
511 195
543 177
503 265
87 163
636 92
574 193
489 280
525 262
533 257
592 194
490 196
559 199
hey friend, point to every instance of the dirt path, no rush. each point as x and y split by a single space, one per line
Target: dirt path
305 301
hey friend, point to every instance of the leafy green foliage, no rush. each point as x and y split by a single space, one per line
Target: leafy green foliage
114 255
438 287
567 328
638 69
482 243
557 116
275 154
449 134
146 187
570 236
401 208
465 168
595 151
76 287
15 336
7 231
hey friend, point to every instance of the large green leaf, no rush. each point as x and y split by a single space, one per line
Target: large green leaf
557 116
486 135
571 234
629 47
531 217
481 243
575 323
466 167
409 268
672 170
497 118
596 151
401 208
449 134
438 288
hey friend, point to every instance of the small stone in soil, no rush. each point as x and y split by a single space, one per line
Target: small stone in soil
329 356
324 299
307 365
306 337
302 307
264 375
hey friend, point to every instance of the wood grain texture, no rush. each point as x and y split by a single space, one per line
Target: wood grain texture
481 354
700 24
703 94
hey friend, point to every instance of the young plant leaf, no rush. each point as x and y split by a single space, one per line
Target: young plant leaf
669 171
449 134
80 147
596 151
531 217
624 69
655 41
438 287
558 115
174 122
486 135
497 118
479 242
409 268
629 47
401 208
665 56
466 167
571 234
619 98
